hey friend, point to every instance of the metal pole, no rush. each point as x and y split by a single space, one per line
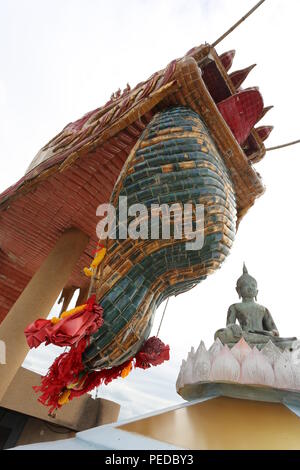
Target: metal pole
237 23
283 145
163 316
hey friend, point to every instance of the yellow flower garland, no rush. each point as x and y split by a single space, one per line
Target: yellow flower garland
64 398
126 371
95 263
67 313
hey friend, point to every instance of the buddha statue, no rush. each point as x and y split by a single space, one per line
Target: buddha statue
255 322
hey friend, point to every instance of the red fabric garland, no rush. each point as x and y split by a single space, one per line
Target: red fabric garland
97 378
64 371
153 353
69 330
36 332
68 368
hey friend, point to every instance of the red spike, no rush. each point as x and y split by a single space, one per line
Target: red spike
227 58
241 111
239 76
264 132
265 111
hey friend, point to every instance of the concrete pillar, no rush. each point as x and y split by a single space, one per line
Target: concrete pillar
37 299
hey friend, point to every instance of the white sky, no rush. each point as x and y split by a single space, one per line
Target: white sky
62 58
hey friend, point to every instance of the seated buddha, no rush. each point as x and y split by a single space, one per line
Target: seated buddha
255 322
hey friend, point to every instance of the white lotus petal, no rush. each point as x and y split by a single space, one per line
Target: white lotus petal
201 347
215 348
256 369
271 352
240 350
295 352
225 367
201 364
296 375
187 373
179 381
284 376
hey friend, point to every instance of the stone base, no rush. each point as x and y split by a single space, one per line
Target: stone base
191 392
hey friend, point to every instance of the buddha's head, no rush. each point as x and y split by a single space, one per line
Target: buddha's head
246 286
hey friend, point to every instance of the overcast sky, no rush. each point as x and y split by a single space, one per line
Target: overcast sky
62 58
